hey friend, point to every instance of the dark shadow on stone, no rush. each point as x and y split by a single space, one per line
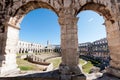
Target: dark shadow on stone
52 75
79 77
107 77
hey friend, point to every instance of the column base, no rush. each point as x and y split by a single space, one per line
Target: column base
79 77
72 77
113 71
71 73
8 65
5 71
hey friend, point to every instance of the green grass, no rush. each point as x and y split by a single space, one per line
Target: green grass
24 65
25 68
81 61
87 67
19 54
55 61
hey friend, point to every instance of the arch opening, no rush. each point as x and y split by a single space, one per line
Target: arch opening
40 26
93 44
26 8
112 34
98 8
12 32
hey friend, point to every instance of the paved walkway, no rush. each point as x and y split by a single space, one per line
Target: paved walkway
91 76
80 66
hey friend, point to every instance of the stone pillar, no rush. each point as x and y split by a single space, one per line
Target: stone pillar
8 54
113 36
69 68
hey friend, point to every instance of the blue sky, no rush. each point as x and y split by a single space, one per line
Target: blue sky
90 26
41 25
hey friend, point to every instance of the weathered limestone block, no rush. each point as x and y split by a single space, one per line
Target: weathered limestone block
113 36
8 59
82 2
113 71
78 77
118 1
67 3
69 41
70 33
116 64
57 5
8 64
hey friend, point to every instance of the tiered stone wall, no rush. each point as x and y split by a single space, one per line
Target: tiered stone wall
96 51
27 47
98 48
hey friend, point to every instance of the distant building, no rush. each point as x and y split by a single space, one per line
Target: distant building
85 48
28 47
98 48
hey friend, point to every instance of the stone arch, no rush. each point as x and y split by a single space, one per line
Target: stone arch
12 27
112 30
101 9
22 10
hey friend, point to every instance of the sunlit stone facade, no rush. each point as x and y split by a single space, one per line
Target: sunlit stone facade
28 47
98 48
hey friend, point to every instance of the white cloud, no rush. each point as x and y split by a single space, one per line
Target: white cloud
91 19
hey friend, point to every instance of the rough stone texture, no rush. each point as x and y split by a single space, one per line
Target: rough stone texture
107 77
13 11
114 71
34 78
79 77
